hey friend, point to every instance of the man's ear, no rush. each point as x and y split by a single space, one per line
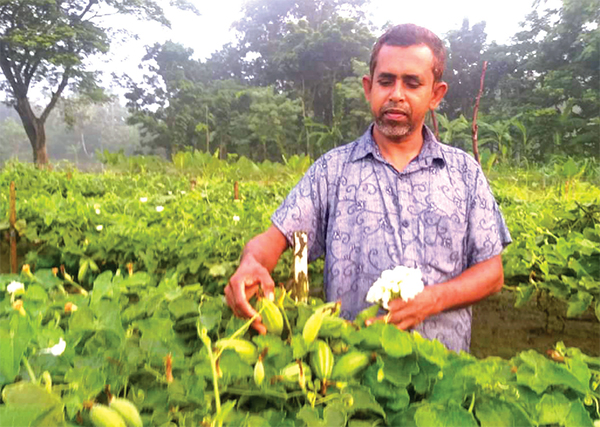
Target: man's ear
439 90
367 84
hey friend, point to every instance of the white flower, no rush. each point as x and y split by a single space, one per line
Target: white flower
55 350
143 199
401 282
99 227
236 218
160 208
169 192
15 288
97 211
182 192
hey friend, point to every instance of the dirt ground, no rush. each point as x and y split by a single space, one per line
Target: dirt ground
500 329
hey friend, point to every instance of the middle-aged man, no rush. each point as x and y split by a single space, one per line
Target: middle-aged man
395 196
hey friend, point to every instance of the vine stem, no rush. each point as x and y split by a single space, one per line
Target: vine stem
472 403
203 334
29 370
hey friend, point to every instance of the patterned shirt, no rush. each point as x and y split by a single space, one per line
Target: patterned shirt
438 214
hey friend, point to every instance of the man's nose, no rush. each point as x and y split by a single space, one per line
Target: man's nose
397 93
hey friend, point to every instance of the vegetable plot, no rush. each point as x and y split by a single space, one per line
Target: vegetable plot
180 357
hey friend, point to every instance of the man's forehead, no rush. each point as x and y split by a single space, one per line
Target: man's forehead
405 60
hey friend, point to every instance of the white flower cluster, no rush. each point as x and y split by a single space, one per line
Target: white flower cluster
403 282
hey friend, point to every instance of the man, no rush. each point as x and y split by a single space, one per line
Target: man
395 196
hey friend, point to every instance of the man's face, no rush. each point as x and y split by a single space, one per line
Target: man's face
402 90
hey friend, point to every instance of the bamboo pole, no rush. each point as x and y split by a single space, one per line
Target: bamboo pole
13 231
475 128
301 287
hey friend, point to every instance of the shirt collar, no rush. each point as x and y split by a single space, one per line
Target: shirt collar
431 151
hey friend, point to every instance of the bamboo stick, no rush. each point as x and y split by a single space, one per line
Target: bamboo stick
475 127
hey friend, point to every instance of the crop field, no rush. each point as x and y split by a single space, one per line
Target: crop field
119 294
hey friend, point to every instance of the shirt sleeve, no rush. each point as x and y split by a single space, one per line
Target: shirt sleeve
487 232
305 209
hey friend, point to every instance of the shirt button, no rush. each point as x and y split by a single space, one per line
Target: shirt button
405 223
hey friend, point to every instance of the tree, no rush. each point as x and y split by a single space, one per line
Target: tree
43 48
551 78
463 69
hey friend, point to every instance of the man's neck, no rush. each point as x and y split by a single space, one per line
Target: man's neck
399 153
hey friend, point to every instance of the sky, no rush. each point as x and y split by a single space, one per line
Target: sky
207 33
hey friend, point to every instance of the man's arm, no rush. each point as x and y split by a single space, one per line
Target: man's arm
472 285
259 258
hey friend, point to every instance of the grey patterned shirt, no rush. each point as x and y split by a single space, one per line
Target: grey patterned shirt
438 214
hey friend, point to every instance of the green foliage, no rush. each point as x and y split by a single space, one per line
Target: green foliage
168 304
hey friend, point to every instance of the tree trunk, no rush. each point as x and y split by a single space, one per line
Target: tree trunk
34 128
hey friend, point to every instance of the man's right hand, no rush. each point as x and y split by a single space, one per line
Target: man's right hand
243 285
260 256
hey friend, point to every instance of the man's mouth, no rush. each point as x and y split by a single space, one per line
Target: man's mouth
395 115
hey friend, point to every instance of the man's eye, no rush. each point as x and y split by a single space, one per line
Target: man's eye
413 84
385 82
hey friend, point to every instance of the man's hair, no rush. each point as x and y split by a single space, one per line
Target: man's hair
410 35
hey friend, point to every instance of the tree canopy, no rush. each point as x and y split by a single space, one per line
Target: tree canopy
44 45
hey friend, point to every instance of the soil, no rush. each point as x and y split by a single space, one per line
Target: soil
501 329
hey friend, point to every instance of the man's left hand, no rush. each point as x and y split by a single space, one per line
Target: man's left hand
472 285
408 314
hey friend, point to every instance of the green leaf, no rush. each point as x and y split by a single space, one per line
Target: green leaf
395 342
140 279
86 380
334 415
47 279
36 293
103 287
539 373
524 294
362 401
597 309
430 415
183 307
14 340
366 314
400 371
499 413
29 404
396 398
370 337
233 367
553 409
432 350
579 369
299 347
21 416
211 312
579 303
578 416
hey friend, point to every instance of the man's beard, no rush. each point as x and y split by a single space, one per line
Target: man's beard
391 129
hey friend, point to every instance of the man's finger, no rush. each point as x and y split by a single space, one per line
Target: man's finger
241 302
406 324
268 286
259 327
372 320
